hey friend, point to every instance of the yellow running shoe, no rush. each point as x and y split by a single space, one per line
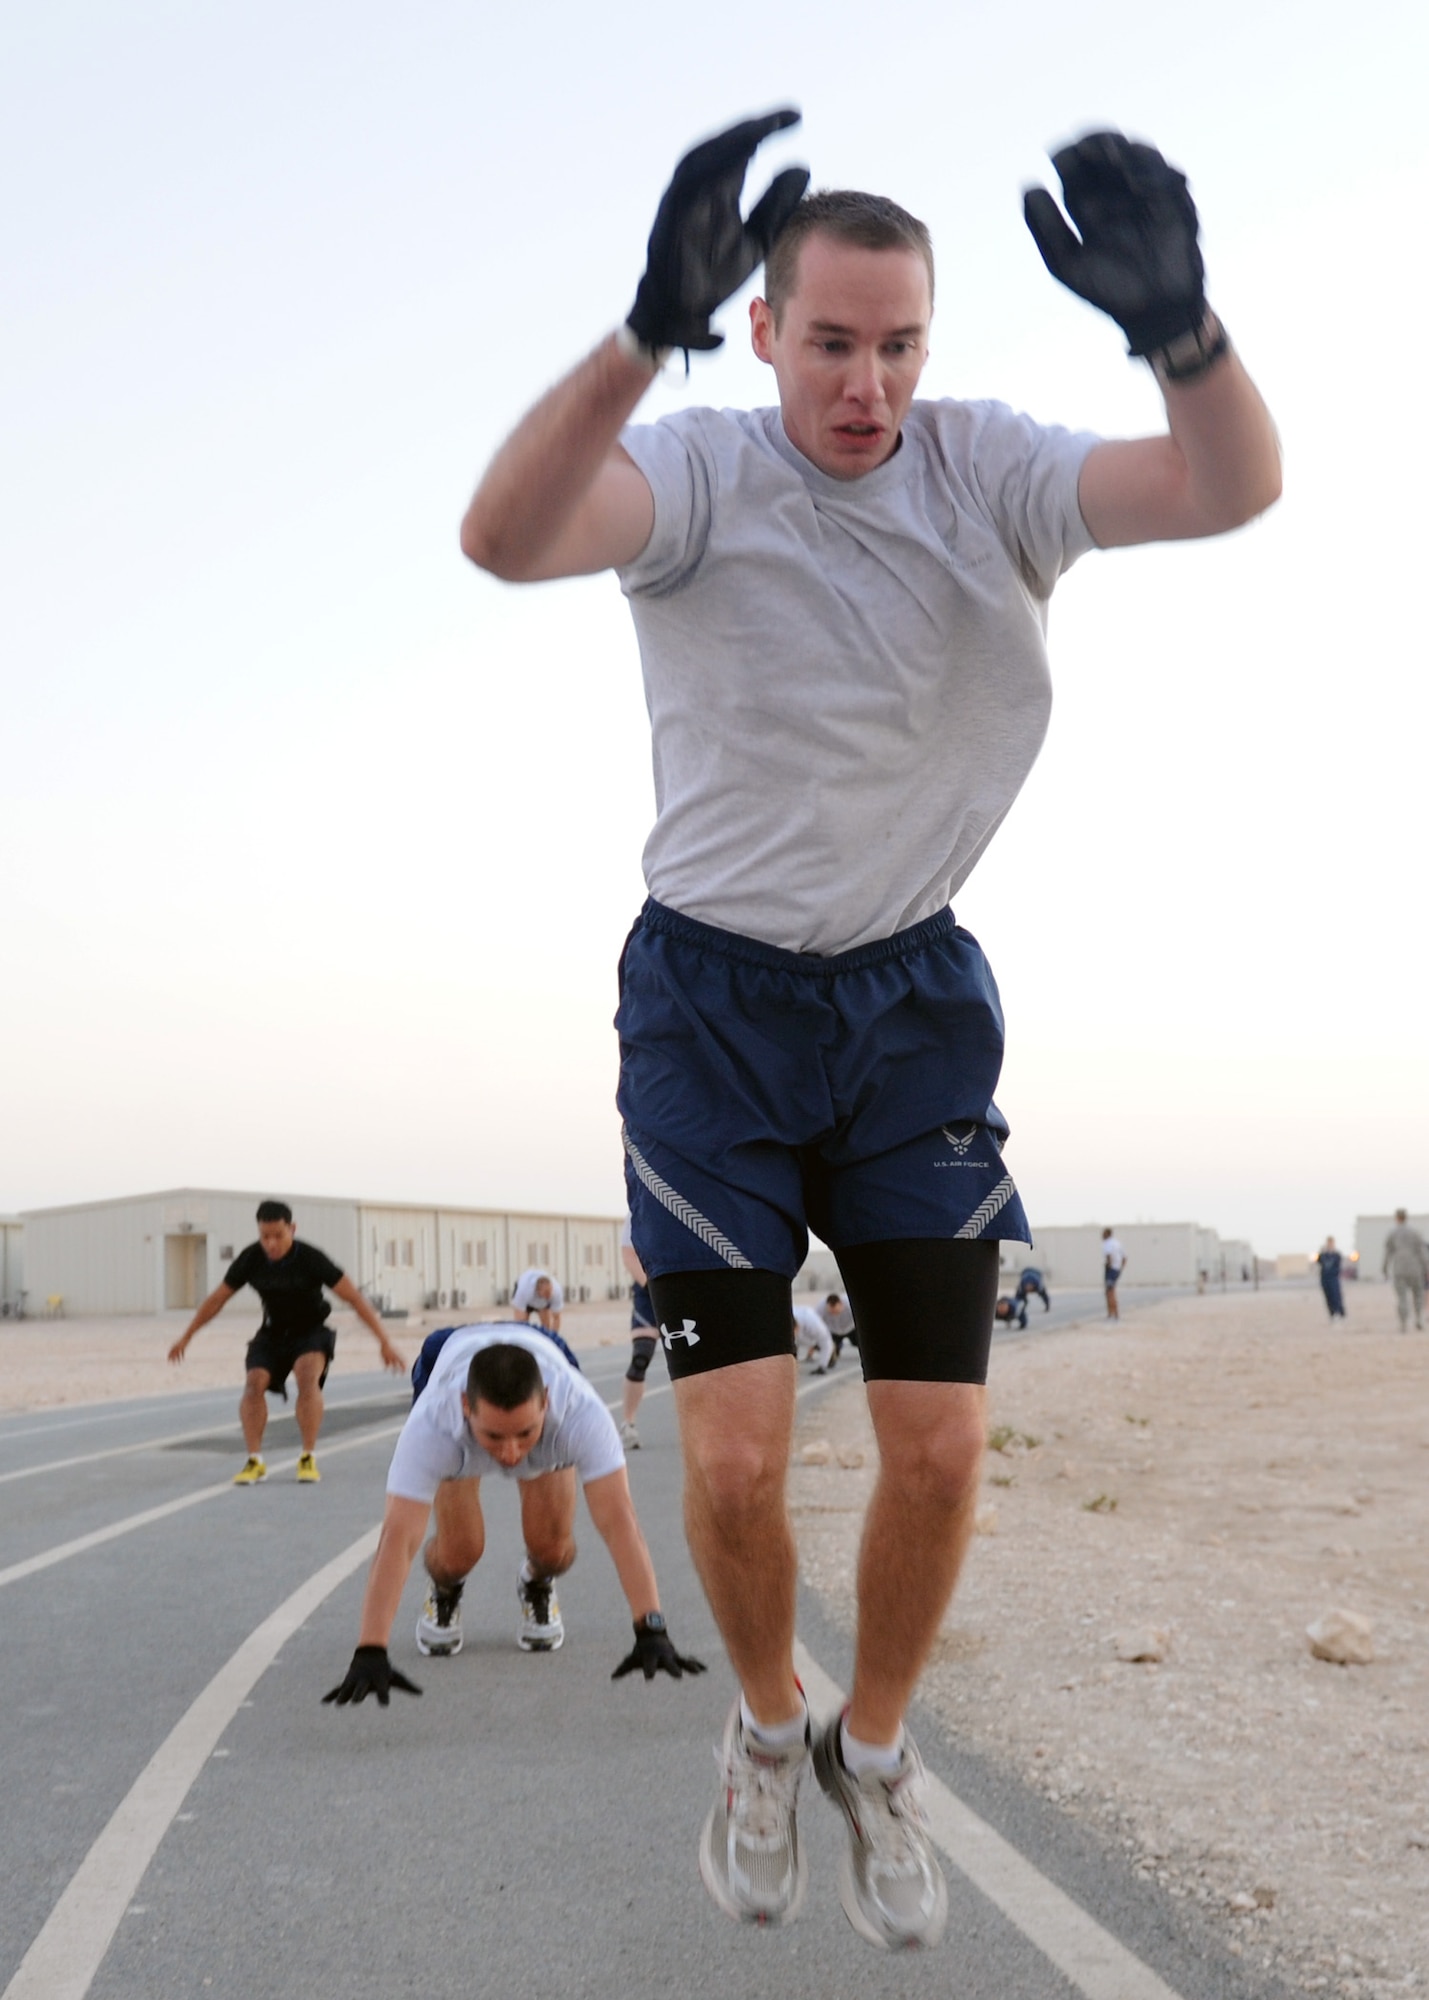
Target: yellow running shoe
251 1473
308 1474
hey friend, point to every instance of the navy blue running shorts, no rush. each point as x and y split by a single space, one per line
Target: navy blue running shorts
765 1093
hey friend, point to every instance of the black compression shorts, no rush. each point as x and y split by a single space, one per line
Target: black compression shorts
923 1308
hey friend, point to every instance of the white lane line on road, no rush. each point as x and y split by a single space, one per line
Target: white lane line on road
64 1550
161 1444
62 1961
1096 1963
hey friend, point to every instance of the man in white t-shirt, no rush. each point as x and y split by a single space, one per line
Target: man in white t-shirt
812 1339
538 1296
1113 1264
841 606
502 1401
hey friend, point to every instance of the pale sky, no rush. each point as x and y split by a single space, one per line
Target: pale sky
320 846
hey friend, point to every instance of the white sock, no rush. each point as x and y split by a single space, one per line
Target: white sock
776 1736
860 1758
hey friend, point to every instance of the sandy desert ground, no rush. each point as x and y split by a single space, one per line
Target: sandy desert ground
1201 1482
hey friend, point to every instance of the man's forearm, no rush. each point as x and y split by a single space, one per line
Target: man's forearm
1225 435
633 1566
386 1581
547 466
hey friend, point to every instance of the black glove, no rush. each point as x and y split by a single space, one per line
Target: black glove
1138 258
371 1672
653 1653
701 249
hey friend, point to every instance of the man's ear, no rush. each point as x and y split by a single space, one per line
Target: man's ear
761 328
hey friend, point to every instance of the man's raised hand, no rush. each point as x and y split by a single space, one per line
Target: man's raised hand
701 248
1135 255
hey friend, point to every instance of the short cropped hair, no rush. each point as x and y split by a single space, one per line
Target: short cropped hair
504 1375
274 1211
869 221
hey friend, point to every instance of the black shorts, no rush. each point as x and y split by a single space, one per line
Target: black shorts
276 1351
923 1309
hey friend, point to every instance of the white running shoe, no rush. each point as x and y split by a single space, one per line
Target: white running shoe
890 1884
439 1627
750 1858
629 1436
542 1629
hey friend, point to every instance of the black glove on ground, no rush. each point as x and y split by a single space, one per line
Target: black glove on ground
654 1653
371 1672
701 249
1138 259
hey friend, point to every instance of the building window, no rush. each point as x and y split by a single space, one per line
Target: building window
466 1254
481 1255
409 1251
389 1253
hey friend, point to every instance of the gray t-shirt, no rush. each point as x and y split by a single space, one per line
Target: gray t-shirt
435 1443
847 679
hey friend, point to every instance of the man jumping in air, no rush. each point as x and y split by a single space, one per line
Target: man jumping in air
841 606
294 1339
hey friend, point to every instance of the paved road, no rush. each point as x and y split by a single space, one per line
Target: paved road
184 1818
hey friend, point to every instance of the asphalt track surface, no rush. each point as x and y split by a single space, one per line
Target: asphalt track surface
183 1817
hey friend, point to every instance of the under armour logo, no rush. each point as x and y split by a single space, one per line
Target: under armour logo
960 1145
686 1333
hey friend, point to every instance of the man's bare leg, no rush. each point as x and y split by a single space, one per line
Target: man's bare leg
253 1410
735 1429
931 1437
548 1521
460 1541
307 1373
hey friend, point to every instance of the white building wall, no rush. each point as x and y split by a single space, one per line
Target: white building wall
400 1250
472 1245
1157 1253
111 1256
593 1258
99 1258
535 1240
12 1264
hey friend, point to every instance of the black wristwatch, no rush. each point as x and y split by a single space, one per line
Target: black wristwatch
653 1621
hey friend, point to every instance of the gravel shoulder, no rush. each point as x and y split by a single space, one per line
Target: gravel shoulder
1203 1481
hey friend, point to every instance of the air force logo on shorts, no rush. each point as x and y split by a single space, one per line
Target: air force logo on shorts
685 1332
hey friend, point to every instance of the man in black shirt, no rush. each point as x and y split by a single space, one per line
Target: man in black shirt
294 1339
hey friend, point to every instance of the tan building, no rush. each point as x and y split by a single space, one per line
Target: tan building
156 1253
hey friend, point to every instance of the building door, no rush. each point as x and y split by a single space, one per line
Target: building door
185 1269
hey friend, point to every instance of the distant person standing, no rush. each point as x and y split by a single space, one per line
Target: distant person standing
538 1296
1113 1264
1406 1261
1329 1261
644 1339
294 1339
